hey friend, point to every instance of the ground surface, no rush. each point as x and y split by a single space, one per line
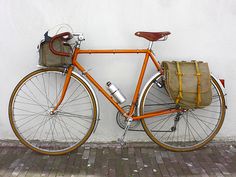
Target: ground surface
133 160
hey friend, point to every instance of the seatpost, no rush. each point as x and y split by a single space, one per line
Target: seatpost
150 45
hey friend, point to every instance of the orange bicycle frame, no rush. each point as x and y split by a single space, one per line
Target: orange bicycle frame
148 54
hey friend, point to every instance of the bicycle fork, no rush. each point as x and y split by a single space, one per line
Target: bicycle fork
66 84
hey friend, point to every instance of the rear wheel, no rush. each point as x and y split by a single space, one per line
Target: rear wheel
33 123
183 131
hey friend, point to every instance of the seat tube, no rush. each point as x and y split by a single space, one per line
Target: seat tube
139 83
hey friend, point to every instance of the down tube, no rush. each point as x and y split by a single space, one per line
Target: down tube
92 80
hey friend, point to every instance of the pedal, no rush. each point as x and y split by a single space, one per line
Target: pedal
121 140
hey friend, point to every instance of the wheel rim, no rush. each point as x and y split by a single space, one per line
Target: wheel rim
34 124
191 130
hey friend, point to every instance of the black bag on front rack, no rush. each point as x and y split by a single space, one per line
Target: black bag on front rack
48 59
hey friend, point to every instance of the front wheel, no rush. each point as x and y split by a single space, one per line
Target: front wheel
185 131
31 118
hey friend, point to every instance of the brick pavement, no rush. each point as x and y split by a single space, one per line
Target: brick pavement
133 160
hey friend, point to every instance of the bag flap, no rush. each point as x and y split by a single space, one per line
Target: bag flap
189 78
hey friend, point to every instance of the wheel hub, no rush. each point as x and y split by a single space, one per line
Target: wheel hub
52 113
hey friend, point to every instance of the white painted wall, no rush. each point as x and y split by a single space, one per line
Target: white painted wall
203 29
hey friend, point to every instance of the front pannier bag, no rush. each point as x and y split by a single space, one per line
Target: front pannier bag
188 83
48 59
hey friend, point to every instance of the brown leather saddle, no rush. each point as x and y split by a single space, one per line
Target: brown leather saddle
153 36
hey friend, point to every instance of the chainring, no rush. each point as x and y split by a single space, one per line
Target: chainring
122 121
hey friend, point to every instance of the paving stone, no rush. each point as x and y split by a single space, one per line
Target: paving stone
111 160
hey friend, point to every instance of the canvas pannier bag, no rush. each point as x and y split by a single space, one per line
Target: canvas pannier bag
188 83
48 59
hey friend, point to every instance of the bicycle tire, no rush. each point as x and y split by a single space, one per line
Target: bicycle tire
45 80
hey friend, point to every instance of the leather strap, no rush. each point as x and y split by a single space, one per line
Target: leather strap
179 74
198 74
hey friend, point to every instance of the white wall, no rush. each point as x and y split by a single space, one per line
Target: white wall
203 29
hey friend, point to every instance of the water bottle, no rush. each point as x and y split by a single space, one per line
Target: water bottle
116 93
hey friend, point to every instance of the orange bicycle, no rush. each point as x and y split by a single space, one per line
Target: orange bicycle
54 110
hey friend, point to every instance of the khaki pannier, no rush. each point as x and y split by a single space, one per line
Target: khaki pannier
188 83
48 59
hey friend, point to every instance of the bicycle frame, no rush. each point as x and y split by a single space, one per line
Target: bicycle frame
148 54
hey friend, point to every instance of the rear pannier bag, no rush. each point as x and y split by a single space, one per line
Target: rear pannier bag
188 83
48 59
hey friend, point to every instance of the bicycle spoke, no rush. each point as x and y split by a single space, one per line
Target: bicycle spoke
28 115
33 100
45 95
160 91
162 126
67 125
68 105
27 122
66 101
158 98
77 122
30 104
196 118
39 126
